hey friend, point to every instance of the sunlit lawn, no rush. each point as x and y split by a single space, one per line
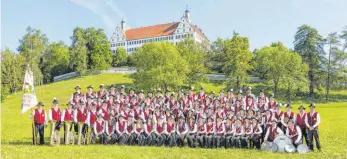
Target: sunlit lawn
16 131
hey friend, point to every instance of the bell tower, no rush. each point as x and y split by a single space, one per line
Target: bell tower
187 14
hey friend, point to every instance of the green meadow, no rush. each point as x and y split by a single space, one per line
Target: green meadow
16 141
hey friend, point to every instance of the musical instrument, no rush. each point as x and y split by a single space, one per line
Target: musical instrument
274 147
82 138
281 141
69 135
34 132
302 149
289 148
55 135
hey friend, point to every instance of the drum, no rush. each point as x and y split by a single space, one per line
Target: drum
266 146
274 147
302 148
281 141
290 148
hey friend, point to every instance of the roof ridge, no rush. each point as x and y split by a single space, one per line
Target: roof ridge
153 25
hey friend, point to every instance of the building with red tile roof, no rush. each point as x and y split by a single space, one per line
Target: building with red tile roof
174 32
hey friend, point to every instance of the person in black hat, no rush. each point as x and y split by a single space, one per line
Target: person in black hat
113 90
75 97
54 117
111 129
159 132
262 95
272 131
312 122
231 98
102 92
138 136
80 120
201 94
90 91
211 95
170 131
300 121
40 121
286 116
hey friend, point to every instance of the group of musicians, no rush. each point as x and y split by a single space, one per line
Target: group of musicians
159 118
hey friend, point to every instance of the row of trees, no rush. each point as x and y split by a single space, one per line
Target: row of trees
315 64
89 52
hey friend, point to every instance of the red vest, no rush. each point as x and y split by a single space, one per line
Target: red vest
191 127
248 129
160 128
100 126
273 133
181 128
39 117
271 106
312 119
300 121
138 129
92 118
293 132
110 128
255 128
262 107
121 126
56 114
169 127
105 112
291 115
228 127
209 128
149 128
81 116
129 128
136 114
219 128
68 116
238 130
201 127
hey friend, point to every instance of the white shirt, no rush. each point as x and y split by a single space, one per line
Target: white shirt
298 130
317 122
33 114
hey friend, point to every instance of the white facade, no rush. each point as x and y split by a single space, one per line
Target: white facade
183 30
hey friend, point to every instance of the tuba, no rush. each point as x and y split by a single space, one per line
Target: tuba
69 135
55 135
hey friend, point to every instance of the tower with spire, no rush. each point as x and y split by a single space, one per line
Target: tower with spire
187 15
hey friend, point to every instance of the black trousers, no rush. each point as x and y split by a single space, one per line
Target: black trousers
201 140
40 129
171 140
209 140
191 139
138 139
304 135
219 141
229 141
313 134
103 138
148 139
113 138
240 142
121 138
180 140
256 141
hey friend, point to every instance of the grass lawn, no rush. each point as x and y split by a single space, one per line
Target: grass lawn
16 130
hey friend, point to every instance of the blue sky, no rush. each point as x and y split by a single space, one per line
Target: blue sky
262 21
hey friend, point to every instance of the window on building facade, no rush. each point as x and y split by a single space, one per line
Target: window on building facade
190 29
184 30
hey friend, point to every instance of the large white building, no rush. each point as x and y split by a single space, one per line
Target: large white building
174 32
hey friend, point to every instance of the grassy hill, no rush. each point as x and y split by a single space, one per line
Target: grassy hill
16 130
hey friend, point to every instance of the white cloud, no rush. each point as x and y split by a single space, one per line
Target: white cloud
107 10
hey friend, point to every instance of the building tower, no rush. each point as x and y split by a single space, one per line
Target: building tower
187 15
123 24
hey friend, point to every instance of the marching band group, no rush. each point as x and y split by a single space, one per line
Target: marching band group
165 118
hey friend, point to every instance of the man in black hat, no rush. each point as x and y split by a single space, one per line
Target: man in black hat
100 129
262 95
202 94
54 115
312 122
102 92
286 116
300 121
76 94
120 130
231 98
40 121
90 92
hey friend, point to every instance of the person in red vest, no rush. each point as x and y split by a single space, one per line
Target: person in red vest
229 132
91 119
111 128
159 132
272 102
182 130
120 130
149 125
238 133
256 133
77 93
80 116
129 129
67 115
201 131
100 129
170 131
272 131
286 116
231 98
192 129
202 94
294 133
219 139
90 92
40 121
312 122
137 135
248 131
104 110
300 121
54 114
210 131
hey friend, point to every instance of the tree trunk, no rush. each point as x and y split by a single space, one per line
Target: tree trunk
311 78
238 82
276 85
328 78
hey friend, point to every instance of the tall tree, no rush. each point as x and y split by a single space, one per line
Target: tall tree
31 47
55 61
159 65
78 52
120 58
99 53
195 56
237 60
308 43
333 42
11 72
215 56
343 36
